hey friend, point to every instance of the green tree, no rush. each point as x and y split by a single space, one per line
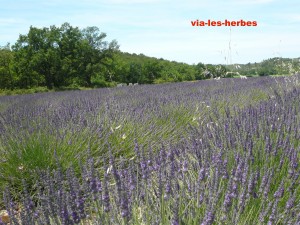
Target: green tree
61 56
23 64
37 58
210 71
199 73
220 71
170 74
152 70
135 74
188 72
6 74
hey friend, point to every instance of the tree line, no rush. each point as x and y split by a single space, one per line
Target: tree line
67 56
133 68
55 57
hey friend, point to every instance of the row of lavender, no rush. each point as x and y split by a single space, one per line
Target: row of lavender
237 163
58 109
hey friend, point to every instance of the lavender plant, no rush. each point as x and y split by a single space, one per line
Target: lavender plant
210 152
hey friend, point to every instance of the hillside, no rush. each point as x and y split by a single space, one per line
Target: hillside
273 66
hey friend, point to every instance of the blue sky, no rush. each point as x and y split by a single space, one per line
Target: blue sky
162 28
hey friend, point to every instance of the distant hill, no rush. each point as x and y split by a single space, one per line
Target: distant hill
143 69
273 66
139 68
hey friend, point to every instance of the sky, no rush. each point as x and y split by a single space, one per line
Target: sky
163 28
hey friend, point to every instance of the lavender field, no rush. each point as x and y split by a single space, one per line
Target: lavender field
209 152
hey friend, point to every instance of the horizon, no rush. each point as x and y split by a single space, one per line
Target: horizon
164 29
233 64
